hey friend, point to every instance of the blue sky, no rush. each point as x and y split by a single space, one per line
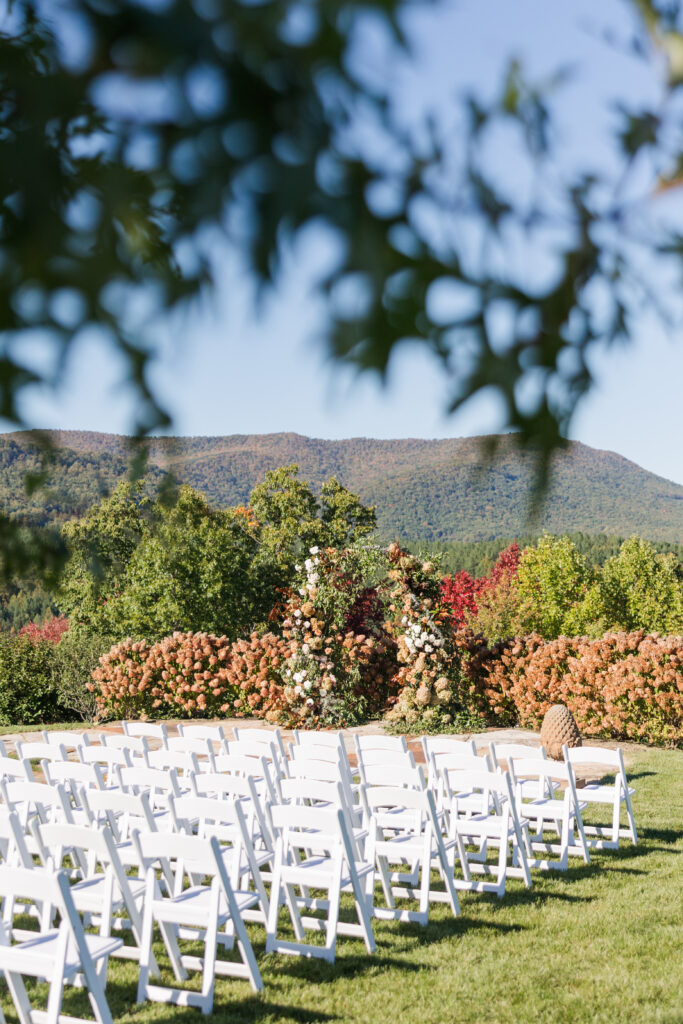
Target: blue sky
226 368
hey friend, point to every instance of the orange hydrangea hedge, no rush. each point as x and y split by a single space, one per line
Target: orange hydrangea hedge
622 686
183 675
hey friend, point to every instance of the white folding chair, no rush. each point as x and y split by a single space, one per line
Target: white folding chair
197 745
137 746
256 768
403 829
151 730
71 741
182 761
560 813
14 770
260 735
495 824
249 747
61 955
303 767
213 733
122 813
156 783
501 754
203 909
614 794
39 751
242 790
313 850
108 758
97 894
445 745
74 777
224 819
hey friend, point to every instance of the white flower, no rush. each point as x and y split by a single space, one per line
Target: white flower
323 692
307 685
310 701
297 690
305 648
428 648
307 624
314 551
404 621
309 564
297 613
302 591
333 679
297 568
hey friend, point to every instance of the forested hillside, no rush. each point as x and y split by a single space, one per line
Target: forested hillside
435 491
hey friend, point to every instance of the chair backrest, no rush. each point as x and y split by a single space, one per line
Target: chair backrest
12 840
73 774
304 737
605 756
183 761
451 772
39 751
3 749
192 856
407 775
152 730
313 752
366 744
65 737
313 829
157 783
122 812
502 752
86 845
544 771
446 745
29 798
212 733
612 759
416 808
238 789
259 735
137 746
109 756
197 745
12 768
249 768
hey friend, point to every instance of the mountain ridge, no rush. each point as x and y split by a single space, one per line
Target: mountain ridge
424 489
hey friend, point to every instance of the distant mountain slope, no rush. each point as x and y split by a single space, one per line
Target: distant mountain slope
432 490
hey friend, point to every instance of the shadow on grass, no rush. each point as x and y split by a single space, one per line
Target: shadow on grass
249 1010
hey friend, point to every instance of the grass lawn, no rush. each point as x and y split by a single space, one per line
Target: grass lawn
602 943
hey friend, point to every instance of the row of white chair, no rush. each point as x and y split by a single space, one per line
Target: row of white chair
301 821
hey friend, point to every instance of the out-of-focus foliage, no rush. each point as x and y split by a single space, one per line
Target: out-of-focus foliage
132 133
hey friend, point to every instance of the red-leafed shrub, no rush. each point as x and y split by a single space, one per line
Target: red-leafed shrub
462 593
53 629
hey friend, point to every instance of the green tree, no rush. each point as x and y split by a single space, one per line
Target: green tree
100 546
292 519
640 588
552 582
